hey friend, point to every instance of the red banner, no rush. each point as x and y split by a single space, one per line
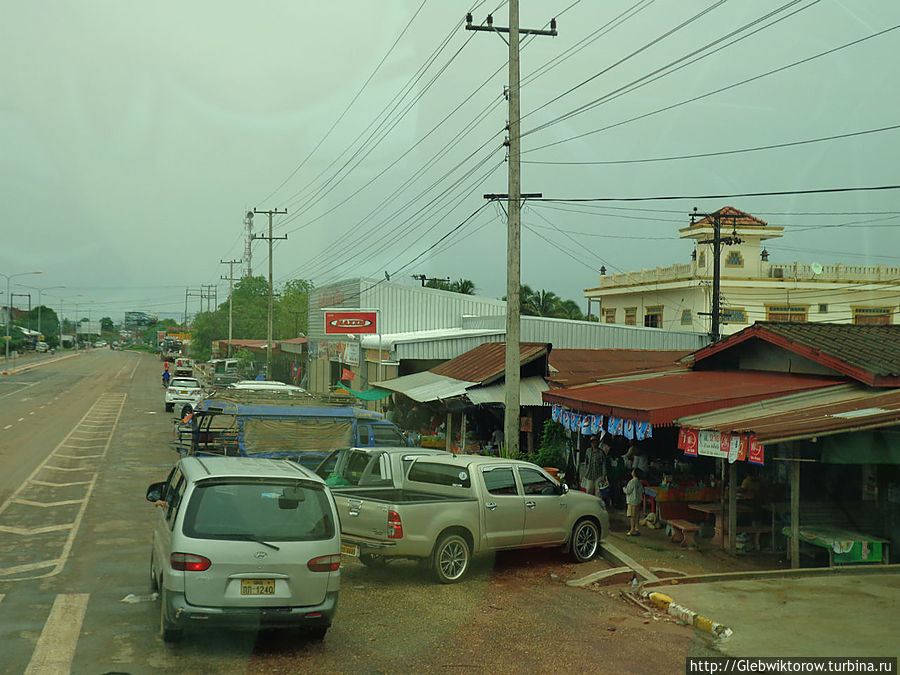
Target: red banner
342 323
346 375
688 440
756 452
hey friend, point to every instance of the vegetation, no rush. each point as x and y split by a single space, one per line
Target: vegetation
553 447
464 286
548 303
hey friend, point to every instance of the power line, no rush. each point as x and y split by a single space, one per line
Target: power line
722 196
724 152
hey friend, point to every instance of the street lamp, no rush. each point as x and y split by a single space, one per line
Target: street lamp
39 290
8 307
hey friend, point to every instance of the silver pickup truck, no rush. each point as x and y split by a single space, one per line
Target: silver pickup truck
450 508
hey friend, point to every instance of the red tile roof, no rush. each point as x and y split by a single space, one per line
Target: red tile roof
869 354
662 398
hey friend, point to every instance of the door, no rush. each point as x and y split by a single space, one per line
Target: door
546 513
503 508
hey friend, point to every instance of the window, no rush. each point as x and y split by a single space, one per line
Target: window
267 509
174 497
364 434
734 259
631 316
794 313
873 316
823 309
653 317
440 474
701 261
536 483
499 480
387 434
686 319
734 315
609 315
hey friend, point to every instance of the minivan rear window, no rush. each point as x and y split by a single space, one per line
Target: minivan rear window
267 510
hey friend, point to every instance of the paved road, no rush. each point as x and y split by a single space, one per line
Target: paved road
843 615
77 541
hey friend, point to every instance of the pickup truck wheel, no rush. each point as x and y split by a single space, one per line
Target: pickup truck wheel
585 540
451 558
373 560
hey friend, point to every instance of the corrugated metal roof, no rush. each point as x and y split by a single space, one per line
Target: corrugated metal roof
832 410
570 367
487 362
530 389
870 354
662 398
425 386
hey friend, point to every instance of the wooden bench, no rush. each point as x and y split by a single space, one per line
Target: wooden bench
685 532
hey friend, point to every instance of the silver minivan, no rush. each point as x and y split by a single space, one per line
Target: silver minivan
244 543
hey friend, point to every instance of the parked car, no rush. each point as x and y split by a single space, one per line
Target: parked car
184 392
244 543
100 343
41 347
450 508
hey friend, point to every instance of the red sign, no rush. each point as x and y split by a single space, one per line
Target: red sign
688 441
756 451
350 322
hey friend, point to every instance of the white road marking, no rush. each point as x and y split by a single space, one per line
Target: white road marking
21 419
55 647
8 426
31 413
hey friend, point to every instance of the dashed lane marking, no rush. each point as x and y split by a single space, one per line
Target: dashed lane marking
55 647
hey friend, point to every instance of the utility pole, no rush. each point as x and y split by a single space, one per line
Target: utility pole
717 241
270 238
230 277
192 294
513 223
208 292
248 250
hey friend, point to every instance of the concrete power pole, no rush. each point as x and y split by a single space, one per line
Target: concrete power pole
230 277
513 224
248 250
717 242
270 238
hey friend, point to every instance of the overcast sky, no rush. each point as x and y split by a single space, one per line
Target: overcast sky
136 136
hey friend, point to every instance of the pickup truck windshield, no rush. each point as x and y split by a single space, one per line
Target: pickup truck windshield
292 435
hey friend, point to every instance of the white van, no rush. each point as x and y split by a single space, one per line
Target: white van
244 543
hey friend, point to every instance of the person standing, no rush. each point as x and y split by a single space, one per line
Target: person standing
595 469
633 492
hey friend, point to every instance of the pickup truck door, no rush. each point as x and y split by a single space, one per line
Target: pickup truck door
546 511
503 508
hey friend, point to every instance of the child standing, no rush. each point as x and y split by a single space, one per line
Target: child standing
633 492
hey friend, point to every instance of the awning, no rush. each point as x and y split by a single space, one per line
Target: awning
832 410
662 398
426 386
530 389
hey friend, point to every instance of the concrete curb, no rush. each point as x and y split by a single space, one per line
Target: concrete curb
774 574
36 364
701 623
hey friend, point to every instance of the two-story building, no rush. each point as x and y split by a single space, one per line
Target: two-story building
752 288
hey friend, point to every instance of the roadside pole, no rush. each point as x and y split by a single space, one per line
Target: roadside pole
230 277
270 238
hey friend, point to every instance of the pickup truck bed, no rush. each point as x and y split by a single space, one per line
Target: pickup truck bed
394 495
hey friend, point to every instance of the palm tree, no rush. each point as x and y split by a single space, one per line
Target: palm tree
569 309
464 286
546 303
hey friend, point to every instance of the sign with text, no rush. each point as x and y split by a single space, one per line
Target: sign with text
342 323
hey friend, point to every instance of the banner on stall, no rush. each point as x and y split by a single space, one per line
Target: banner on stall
731 447
583 424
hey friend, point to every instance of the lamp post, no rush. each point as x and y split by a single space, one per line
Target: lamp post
78 295
9 304
40 291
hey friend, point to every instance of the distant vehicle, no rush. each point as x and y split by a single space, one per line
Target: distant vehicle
264 385
184 392
184 366
244 543
224 371
100 343
41 347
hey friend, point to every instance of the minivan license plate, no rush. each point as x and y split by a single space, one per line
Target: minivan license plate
350 549
257 587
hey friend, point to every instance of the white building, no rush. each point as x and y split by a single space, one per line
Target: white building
752 289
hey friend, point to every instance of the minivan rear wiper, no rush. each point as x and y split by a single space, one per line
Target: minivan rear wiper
250 537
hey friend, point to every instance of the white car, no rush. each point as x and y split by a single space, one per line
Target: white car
244 543
184 392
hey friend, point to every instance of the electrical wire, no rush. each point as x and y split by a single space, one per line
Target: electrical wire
776 193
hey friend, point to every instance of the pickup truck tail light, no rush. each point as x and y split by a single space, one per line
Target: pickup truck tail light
395 527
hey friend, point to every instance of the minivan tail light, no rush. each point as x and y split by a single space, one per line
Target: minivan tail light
395 527
188 562
325 563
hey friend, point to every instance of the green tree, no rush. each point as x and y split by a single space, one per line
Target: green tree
464 286
107 325
291 312
569 309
